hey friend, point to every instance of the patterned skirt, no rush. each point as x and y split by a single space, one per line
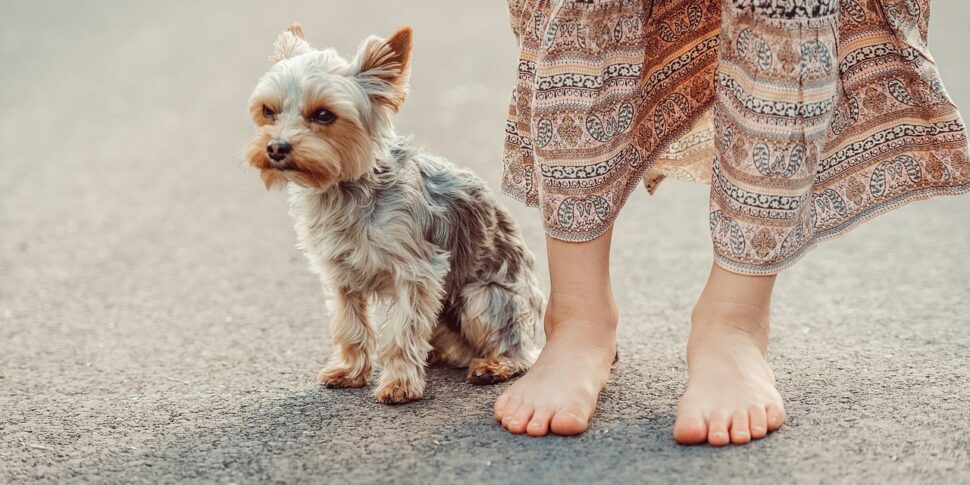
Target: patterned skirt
807 117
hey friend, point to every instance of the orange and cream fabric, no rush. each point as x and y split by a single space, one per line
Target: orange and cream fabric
807 117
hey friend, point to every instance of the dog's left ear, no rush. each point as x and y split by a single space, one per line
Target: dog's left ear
382 67
290 43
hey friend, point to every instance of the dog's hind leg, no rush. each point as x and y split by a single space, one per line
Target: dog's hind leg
500 322
353 337
449 348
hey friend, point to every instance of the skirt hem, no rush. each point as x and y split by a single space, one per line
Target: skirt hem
749 269
839 230
633 181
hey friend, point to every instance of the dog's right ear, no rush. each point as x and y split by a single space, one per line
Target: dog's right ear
383 67
290 43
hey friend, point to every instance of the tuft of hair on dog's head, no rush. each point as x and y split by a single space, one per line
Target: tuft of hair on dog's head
321 119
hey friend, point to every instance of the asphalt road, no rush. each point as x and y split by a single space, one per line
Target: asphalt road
157 323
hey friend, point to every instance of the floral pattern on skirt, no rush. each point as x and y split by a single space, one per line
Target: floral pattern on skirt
807 117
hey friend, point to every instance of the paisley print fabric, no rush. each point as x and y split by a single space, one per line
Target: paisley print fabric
807 117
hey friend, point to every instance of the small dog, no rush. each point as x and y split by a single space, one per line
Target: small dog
382 222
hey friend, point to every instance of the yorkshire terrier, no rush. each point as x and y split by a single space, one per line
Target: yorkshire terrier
383 223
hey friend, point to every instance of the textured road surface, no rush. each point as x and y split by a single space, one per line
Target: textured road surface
158 325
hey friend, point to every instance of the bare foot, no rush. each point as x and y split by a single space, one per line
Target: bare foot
559 392
731 395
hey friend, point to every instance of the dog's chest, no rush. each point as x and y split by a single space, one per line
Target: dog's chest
368 240
361 265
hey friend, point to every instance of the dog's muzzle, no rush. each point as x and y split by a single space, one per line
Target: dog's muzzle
279 150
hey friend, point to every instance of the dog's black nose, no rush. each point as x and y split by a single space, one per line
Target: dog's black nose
278 150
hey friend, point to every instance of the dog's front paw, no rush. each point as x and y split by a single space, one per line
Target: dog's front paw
398 392
341 378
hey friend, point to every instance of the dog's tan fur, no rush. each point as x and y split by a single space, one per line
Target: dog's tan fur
385 224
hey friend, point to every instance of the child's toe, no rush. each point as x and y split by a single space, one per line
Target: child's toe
517 420
776 416
539 424
568 422
690 428
758 422
505 404
717 429
740 430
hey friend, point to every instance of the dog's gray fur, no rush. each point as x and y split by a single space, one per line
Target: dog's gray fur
383 222
430 240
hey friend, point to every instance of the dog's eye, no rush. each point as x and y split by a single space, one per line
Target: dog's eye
267 112
323 117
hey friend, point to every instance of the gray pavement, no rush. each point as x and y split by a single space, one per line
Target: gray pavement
158 325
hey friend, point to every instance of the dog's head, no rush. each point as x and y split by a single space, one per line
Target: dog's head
322 119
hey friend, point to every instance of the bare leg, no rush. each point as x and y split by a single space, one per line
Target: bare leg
559 392
731 395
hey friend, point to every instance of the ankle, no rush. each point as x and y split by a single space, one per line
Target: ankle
592 329
735 300
746 316
598 313
719 322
